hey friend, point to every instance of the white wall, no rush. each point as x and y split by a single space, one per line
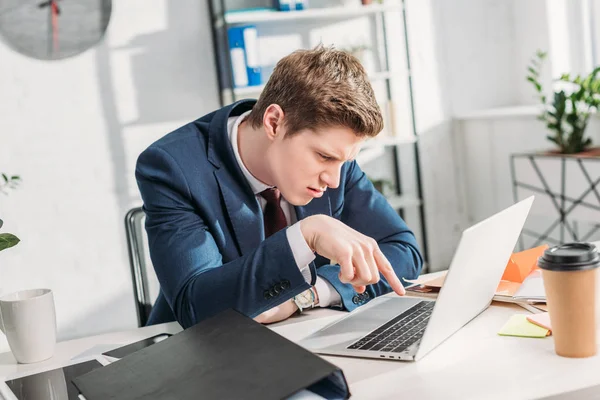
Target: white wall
486 138
487 143
461 60
73 130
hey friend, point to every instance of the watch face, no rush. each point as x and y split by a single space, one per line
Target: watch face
53 29
305 299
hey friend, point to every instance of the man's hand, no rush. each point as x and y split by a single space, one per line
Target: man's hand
277 313
359 256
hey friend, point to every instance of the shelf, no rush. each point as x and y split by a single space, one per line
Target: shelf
403 201
502 112
375 148
248 90
369 154
377 76
242 17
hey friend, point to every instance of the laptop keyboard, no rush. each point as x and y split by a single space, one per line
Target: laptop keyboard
400 332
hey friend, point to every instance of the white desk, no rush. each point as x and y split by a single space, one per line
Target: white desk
475 363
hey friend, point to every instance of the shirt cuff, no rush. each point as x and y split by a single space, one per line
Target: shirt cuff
328 296
303 255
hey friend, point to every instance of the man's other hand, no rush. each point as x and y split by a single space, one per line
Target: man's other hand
277 313
360 259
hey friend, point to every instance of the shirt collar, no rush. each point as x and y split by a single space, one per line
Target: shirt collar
233 124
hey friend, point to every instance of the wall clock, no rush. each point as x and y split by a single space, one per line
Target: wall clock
53 29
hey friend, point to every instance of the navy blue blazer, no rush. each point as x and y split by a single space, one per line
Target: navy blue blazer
206 235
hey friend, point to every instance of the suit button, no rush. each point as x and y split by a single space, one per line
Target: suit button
278 288
285 284
367 295
355 300
267 295
273 293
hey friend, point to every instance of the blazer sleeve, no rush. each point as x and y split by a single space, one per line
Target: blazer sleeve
368 212
189 266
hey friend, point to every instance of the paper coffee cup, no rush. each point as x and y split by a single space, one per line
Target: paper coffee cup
570 279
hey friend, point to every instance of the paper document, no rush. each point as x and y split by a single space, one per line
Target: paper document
532 287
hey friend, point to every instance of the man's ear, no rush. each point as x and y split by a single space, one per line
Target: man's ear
273 121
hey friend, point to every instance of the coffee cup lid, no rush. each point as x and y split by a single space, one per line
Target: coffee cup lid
570 257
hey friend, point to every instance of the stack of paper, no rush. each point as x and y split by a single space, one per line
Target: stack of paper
532 288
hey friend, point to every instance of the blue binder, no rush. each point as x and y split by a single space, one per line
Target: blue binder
245 60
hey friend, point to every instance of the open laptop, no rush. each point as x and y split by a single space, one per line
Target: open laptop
407 328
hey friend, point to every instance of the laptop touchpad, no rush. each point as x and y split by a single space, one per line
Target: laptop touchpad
360 322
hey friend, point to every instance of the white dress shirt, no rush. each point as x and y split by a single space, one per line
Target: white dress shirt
303 255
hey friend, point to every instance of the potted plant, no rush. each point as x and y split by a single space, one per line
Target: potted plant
568 112
8 240
566 175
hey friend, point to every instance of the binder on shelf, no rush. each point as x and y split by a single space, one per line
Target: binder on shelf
285 5
245 60
238 56
252 58
300 4
228 356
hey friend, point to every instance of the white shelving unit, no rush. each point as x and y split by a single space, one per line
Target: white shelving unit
401 201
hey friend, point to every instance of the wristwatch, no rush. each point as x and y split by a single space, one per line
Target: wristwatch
305 300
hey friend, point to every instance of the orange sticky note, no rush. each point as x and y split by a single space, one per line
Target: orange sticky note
522 263
541 319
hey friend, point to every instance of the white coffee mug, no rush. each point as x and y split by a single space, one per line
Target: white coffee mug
28 319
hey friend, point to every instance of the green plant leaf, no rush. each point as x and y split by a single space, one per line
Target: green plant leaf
8 240
5 177
565 77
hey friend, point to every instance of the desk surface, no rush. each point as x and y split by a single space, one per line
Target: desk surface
474 363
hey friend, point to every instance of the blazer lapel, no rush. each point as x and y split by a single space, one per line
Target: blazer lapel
244 211
242 207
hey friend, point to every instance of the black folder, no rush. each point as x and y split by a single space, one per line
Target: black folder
228 356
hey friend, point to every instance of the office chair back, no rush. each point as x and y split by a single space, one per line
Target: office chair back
145 283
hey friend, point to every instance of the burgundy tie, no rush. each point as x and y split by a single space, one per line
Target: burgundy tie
273 215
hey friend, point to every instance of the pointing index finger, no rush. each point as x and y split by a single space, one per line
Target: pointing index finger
386 270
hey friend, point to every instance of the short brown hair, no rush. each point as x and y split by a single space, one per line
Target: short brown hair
321 88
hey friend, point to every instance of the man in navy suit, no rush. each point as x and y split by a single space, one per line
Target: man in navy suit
260 207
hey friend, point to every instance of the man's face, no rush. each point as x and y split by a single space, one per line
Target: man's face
306 164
